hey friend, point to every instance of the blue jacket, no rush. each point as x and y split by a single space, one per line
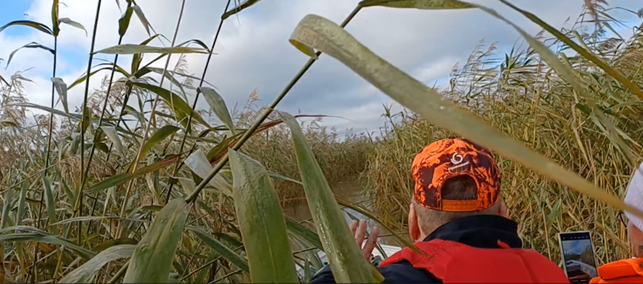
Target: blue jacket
482 231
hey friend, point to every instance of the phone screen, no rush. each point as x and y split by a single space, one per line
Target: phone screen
578 256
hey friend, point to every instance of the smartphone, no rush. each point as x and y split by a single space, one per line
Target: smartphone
578 255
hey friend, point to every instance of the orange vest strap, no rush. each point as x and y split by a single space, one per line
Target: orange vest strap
454 262
626 268
503 245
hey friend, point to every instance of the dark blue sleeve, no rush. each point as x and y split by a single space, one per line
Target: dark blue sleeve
323 276
401 272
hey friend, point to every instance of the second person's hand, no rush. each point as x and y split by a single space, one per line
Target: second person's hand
358 229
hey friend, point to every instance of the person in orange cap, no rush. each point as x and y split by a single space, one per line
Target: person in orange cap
628 270
458 221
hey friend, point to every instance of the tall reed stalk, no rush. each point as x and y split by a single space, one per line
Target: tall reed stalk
100 120
78 208
196 99
149 123
55 30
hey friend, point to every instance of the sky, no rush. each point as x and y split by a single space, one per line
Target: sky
253 52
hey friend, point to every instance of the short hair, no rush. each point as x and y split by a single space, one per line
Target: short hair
456 188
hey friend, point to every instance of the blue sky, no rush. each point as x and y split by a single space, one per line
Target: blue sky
253 51
14 9
575 246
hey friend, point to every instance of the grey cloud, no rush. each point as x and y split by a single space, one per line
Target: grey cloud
410 39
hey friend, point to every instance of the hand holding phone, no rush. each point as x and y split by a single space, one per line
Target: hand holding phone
578 255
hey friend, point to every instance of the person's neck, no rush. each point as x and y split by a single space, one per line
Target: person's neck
479 231
424 235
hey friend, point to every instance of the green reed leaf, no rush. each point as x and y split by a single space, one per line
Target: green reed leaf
138 57
112 135
158 137
35 25
77 25
86 272
110 67
61 89
124 177
261 222
49 200
135 48
241 7
54 17
21 202
418 4
6 207
181 108
123 22
300 230
221 249
29 45
199 164
218 105
346 260
47 238
152 259
142 18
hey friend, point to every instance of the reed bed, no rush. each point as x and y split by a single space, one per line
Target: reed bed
140 185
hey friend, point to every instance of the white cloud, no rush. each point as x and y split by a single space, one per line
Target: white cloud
430 72
253 51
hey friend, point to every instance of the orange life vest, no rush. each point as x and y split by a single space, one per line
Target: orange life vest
454 262
622 271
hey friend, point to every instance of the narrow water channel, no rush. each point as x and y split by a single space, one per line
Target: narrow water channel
350 190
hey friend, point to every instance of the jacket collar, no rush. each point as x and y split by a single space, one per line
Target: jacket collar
482 231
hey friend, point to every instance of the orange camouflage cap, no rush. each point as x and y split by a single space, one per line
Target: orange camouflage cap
448 158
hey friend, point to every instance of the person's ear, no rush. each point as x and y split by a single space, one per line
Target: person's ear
502 210
636 238
414 226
